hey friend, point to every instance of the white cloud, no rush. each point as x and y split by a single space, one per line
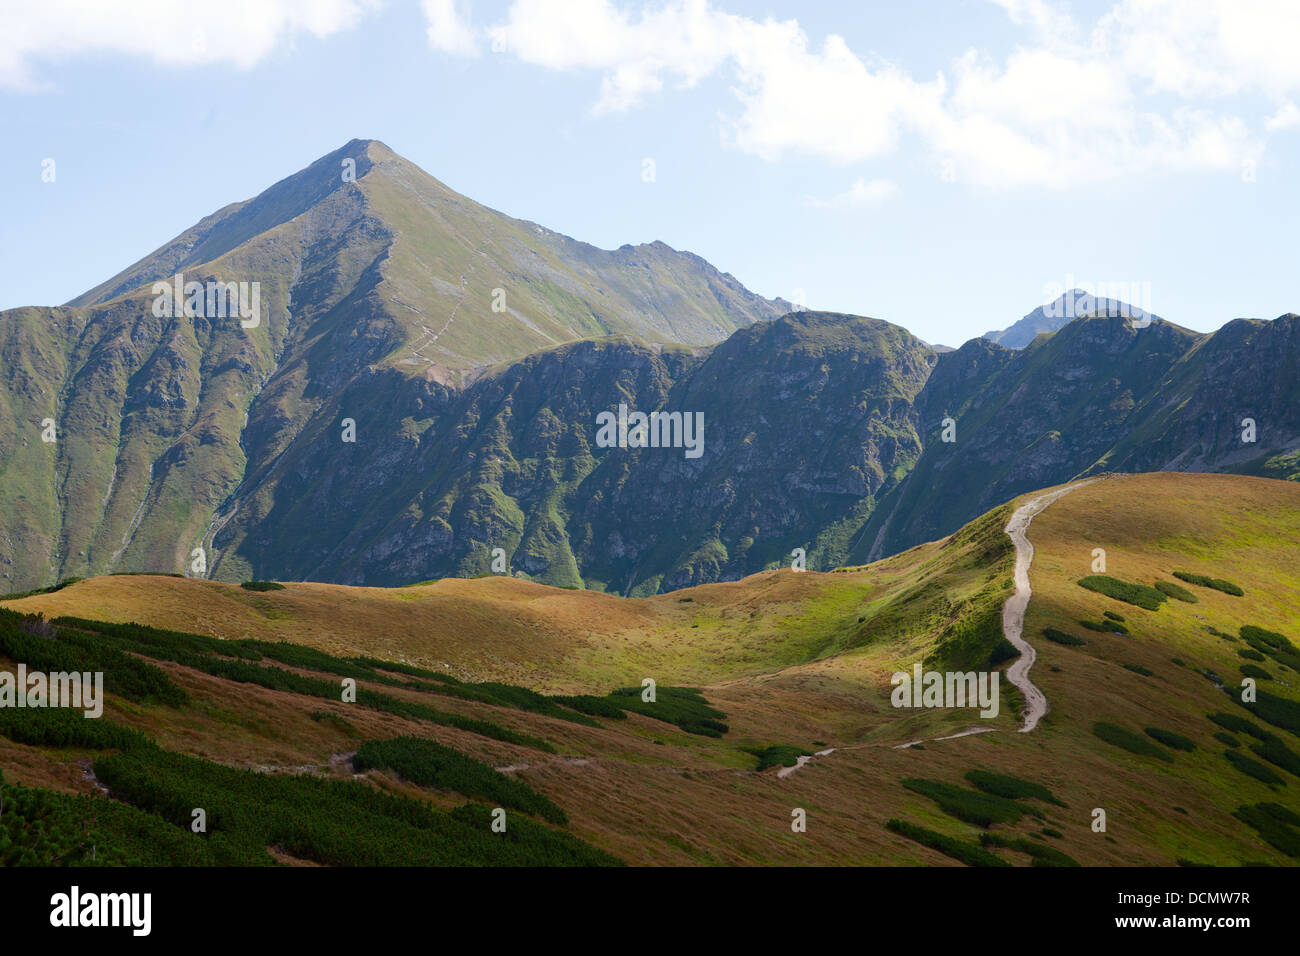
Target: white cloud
863 192
1286 117
1205 47
201 32
448 31
1139 92
1150 87
687 40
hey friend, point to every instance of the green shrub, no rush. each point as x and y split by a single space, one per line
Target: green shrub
262 586
974 641
1226 738
1062 637
1278 754
1002 785
1240 724
1136 594
1170 739
981 809
1129 741
1251 654
1139 669
594 706
1249 632
683 706
427 763
1253 768
1105 627
1114 617
967 853
61 727
374 663
1002 651
1274 825
1041 854
234 661
1278 711
778 755
327 820
43 828
71 651
1218 584
1255 671
16 595
1172 590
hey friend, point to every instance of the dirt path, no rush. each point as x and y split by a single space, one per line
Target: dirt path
1013 612
1013 627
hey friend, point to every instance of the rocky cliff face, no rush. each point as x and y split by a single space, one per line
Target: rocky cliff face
805 421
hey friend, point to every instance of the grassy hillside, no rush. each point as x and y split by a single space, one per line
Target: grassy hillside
795 663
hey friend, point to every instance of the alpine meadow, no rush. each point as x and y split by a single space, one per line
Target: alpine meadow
362 525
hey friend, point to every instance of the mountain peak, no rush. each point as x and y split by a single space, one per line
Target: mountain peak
1074 304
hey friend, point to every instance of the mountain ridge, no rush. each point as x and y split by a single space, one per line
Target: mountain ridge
382 423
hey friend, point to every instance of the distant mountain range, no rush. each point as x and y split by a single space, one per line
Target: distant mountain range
469 356
1061 311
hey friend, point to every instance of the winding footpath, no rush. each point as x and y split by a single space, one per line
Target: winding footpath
1013 612
1013 628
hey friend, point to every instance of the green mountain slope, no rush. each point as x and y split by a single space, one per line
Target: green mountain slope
423 385
159 419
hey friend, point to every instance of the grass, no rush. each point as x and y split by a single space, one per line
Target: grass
786 657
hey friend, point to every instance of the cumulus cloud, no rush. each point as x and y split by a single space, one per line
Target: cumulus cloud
448 31
201 32
1140 91
1149 87
1286 117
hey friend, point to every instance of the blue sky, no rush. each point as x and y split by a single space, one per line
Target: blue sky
938 165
